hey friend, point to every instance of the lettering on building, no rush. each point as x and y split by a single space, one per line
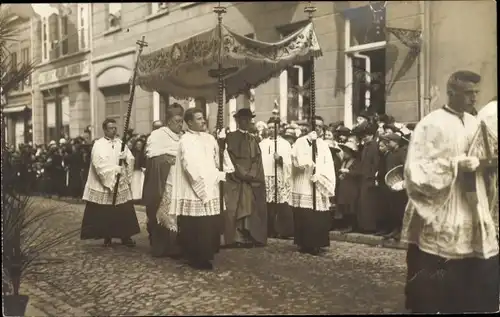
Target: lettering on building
64 72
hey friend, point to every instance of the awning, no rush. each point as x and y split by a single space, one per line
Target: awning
14 109
182 69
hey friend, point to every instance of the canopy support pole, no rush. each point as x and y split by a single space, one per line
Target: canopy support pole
220 10
310 9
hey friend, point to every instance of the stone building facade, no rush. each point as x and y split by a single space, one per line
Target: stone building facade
18 107
61 90
405 90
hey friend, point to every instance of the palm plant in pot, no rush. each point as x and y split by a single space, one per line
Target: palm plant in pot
26 237
25 234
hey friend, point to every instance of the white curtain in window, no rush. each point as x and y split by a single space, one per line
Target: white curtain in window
51 114
65 110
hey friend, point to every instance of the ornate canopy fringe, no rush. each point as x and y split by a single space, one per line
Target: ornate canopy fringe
182 69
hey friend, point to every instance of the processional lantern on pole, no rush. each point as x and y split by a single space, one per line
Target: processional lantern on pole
310 9
141 43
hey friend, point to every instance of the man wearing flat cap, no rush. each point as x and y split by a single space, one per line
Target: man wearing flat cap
245 218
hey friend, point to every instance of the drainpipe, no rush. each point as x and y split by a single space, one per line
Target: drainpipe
427 56
367 77
93 132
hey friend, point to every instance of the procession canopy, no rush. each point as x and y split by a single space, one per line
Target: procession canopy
185 69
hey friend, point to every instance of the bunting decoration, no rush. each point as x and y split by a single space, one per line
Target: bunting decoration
412 39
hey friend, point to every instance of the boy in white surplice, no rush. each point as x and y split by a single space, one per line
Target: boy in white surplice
279 213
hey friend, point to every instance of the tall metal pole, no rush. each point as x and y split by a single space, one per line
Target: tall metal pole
310 9
141 44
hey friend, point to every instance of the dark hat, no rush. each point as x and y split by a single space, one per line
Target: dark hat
303 123
343 130
365 115
365 128
245 112
391 137
359 129
411 126
391 126
350 145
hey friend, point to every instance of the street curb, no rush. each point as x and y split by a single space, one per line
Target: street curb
367 239
42 304
357 238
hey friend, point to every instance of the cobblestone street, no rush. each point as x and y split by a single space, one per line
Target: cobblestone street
83 278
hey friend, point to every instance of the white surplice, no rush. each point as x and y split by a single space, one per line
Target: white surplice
162 141
195 177
103 172
302 186
284 149
439 218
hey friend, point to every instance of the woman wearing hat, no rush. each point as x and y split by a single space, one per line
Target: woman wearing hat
348 185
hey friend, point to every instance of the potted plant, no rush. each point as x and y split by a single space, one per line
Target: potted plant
26 236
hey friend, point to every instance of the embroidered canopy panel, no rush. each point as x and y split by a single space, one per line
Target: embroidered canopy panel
186 69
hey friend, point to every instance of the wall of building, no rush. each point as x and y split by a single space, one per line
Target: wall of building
69 71
261 19
464 37
402 100
20 98
406 99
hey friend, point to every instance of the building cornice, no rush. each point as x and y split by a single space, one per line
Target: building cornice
58 60
126 51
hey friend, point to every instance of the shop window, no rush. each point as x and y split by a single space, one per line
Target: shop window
116 104
114 15
65 114
19 132
51 119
